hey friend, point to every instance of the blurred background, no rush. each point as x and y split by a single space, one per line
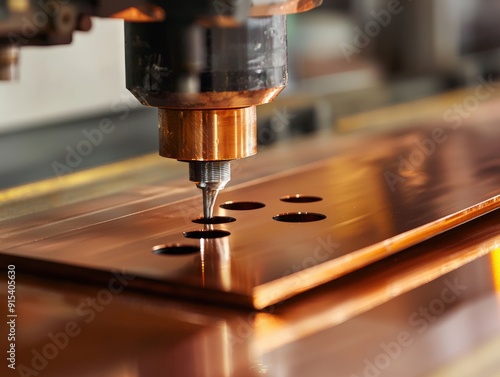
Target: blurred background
345 57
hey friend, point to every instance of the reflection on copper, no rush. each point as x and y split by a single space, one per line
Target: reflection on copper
226 350
365 289
215 261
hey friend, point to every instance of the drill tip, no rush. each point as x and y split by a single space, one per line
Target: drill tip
210 177
209 198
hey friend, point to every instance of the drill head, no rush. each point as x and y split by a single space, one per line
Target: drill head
210 177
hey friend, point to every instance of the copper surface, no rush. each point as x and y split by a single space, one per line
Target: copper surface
117 178
208 135
264 261
343 299
340 327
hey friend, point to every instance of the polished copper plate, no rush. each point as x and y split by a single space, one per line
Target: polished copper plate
380 195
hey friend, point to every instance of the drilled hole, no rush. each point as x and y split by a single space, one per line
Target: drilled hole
176 249
198 234
242 206
214 220
300 198
299 217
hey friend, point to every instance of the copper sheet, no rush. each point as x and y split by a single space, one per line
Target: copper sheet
319 331
367 288
264 261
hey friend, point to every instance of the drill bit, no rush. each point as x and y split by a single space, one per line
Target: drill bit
210 177
209 198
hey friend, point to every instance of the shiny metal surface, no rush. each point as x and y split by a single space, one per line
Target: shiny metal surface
178 64
376 198
208 135
210 177
369 287
206 79
430 311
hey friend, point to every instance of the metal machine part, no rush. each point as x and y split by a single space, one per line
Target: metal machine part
210 177
206 81
204 64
